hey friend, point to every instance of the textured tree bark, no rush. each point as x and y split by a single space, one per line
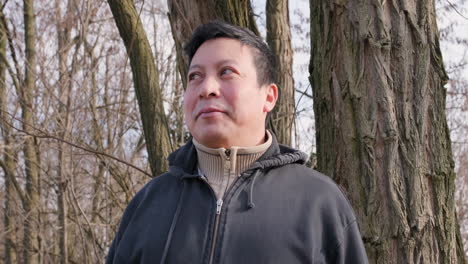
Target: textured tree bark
10 212
186 15
32 203
379 101
279 40
146 81
97 136
8 163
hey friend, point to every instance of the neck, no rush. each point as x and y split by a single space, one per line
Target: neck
253 139
222 165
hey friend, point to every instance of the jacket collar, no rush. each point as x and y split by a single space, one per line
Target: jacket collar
184 159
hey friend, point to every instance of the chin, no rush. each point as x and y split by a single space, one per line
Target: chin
211 138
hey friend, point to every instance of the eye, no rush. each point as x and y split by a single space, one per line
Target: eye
194 76
226 71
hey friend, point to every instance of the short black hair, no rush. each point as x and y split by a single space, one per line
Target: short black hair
264 59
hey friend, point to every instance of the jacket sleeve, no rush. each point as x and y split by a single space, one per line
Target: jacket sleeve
110 255
126 218
350 249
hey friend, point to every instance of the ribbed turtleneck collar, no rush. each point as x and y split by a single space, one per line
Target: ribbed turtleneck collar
221 166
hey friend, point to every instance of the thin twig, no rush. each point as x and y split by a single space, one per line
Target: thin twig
456 10
44 134
305 93
4 4
72 191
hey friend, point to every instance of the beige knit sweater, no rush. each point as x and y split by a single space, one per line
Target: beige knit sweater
222 166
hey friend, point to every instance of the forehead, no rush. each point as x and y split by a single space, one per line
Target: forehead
223 49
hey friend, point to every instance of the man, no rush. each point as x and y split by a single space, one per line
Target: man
233 194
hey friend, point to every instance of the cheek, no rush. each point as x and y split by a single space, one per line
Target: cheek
187 107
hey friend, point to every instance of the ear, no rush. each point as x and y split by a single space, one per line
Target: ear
271 97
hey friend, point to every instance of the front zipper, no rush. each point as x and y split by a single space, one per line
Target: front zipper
219 205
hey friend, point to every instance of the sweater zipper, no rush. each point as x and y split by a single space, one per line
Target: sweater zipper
219 206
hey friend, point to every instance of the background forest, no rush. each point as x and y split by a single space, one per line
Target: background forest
91 96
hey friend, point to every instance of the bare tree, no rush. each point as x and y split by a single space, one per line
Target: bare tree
451 15
461 197
279 40
26 95
146 81
379 102
64 25
85 127
185 15
8 161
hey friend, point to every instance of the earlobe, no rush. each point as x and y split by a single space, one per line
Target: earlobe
271 97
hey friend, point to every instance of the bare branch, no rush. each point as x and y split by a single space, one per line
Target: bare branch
456 10
44 134
305 93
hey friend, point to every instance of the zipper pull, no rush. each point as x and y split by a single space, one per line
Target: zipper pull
203 178
227 162
219 204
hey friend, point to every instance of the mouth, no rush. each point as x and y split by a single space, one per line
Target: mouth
208 111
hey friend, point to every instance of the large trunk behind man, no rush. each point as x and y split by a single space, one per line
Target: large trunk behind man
379 100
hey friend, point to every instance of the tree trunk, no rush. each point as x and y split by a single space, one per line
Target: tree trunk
186 15
8 163
96 134
10 213
279 40
146 81
63 26
32 203
379 102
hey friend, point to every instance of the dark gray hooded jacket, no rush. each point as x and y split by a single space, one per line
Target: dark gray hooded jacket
278 211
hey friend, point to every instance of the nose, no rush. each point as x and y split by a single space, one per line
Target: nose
210 87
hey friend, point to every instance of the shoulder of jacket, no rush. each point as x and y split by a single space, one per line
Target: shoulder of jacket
150 189
300 172
158 182
316 187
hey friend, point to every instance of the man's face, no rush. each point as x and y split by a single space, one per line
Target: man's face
224 105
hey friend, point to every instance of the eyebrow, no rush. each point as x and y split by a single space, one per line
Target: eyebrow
194 66
217 64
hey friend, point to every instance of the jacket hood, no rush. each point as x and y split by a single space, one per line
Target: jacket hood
184 159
